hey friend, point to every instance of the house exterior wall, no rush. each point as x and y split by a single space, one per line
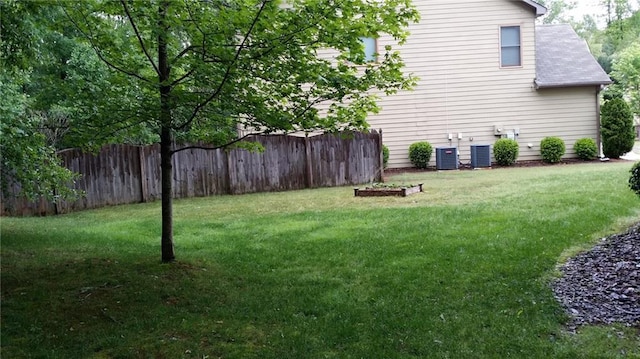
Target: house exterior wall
455 53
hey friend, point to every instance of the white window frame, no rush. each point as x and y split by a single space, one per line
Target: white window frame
519 46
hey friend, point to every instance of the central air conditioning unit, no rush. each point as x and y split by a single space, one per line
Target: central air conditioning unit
480 156
446 158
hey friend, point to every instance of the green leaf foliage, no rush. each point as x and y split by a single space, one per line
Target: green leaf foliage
385 156
552 149
626 71
256 64
618 135
505 151
25 157
634 180
616 46
556 11
586 149
420 154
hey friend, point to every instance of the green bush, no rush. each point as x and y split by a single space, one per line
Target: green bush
617 130
634 180
505 151
552 149
385 156
586 149
420 154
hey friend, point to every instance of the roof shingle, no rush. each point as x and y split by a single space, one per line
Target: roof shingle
563 59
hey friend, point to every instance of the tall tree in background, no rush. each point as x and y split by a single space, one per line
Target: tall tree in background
27 52
626 72
610 43
586 28
199 67
557 11
25 156
616 9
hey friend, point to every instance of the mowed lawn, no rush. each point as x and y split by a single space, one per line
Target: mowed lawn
459 271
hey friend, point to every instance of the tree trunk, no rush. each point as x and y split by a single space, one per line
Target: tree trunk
167 196
165 138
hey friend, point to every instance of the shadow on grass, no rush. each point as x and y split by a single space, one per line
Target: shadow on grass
102 307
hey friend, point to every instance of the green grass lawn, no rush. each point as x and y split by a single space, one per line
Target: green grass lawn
459 271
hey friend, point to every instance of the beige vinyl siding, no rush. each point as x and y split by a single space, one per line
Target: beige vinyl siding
455 53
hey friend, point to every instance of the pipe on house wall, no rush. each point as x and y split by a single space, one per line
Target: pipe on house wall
598 124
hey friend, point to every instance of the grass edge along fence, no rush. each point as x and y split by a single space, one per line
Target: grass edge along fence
121 174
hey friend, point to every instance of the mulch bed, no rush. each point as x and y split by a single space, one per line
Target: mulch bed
602 286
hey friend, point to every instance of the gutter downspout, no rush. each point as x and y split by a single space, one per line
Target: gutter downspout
598 124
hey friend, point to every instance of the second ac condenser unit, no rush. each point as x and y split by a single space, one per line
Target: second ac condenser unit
480 156
446 158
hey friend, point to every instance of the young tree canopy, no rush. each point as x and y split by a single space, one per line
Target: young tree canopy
200 68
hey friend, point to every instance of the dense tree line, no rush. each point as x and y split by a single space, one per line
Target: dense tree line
616 45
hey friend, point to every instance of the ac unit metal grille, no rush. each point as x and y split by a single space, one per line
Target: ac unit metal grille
480 156
446 158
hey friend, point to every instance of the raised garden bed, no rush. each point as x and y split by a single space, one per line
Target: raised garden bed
379 191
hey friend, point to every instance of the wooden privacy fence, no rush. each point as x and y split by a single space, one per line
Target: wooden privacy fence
121 174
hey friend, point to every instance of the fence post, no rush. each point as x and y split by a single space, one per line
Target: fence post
227 156
144 190
381 157
307 162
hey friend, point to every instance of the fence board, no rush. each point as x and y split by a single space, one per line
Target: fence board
199 173
121 174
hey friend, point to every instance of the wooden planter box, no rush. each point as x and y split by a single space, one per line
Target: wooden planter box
387 191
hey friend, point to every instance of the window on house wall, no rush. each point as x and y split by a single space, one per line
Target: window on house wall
510 54
370 48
